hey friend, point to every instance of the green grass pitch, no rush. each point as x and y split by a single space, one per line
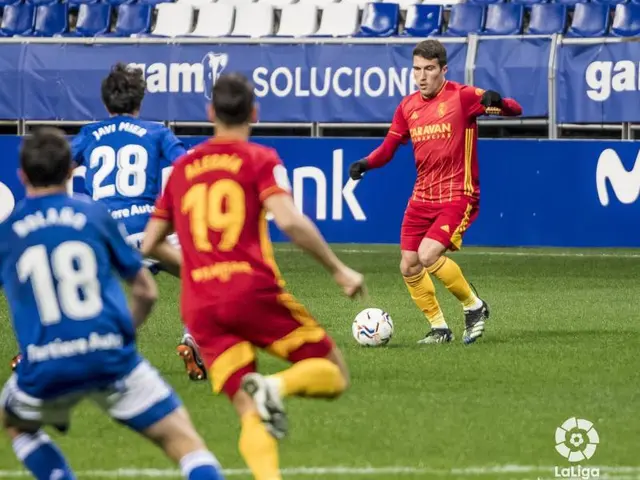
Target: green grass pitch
562 342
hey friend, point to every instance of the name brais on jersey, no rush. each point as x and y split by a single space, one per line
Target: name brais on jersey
70 313
125 158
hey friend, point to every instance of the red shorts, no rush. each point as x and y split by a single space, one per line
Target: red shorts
228 334
443 222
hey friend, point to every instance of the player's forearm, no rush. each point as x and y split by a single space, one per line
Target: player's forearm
385 152
144 294
510 108
305 235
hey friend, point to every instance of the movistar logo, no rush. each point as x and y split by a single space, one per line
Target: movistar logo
625 184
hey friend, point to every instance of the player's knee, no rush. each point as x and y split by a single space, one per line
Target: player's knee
343 377
410 265
176 435
428 257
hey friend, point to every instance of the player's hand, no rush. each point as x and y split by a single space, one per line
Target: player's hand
492 101
351 282
357 169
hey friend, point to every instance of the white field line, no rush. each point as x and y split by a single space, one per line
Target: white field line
500 253
618 473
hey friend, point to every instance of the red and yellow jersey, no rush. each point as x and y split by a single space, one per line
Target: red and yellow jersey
444 134
214 199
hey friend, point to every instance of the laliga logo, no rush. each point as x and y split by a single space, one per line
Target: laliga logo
214 64
626 185
7 202
577 440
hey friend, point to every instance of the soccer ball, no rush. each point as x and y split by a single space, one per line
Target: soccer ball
372 327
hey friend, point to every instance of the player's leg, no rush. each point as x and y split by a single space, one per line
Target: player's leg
144 402
22 417
446 234
419 284
187 349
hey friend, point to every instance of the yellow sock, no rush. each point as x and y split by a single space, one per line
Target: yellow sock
313 377
258 448
449 273
423 293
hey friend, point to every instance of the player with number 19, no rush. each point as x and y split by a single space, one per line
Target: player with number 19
125 158
58 261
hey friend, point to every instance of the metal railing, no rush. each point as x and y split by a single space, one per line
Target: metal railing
553 128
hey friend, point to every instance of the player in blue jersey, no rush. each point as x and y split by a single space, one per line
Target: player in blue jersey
70 316
125 158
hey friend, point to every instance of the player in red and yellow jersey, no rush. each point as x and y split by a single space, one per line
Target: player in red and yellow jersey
440 121
233 298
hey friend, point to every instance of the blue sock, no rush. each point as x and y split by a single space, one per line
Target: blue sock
41 457
201 465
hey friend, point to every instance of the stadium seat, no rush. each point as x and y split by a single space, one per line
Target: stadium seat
298 20
503 19
153 2
132 20
589 20
319 3
5 3
360 3
253 20
379 20
610 2
236 2
423 20
626 21
117 3
484 2
51 20
17 20
195 3
465 19
569 2
37 3
93 20
73 4
527 2
404 4
547 19
339 20
442 2
277 3
214 20
173 20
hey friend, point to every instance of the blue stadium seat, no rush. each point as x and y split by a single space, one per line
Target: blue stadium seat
589 20
93 20
485 2
626 21
117 3
5 3
547 19
153 2
569 2
51 20
504 19
17 20
77 3
379 20
610 2
527 2
132 19
423 20
465 19
37 3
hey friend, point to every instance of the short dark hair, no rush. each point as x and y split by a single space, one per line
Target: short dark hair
45 157
123 89
233 99
431 49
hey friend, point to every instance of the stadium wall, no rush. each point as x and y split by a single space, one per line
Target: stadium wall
558 193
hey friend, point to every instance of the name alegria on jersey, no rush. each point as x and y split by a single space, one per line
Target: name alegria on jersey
79 346
51 217
119 127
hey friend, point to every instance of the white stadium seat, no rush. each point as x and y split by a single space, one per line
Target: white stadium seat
441 2
174 19
253 20
319 3
360 3
298 20
237 2
277 3
214 20
339 20
195 3
404 3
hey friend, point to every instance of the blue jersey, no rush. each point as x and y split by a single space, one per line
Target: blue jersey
124 158
69 311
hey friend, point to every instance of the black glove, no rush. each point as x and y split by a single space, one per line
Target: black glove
491 99
357 169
